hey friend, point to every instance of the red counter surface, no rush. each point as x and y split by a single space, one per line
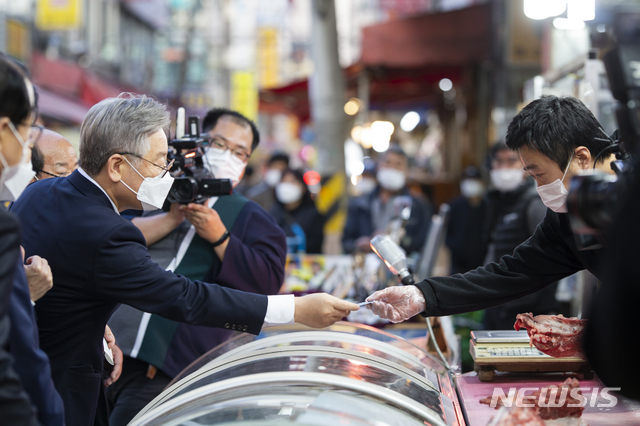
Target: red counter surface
471 390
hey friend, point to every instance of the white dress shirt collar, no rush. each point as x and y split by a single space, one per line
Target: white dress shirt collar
83 173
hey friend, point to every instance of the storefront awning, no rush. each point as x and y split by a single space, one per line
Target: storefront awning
60 108
405 59
444 39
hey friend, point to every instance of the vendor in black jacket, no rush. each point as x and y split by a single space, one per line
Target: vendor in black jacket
556 139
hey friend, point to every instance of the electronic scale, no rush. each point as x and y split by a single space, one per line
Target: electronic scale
509 350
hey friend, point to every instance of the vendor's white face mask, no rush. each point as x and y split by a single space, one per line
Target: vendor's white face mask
153 191
554 195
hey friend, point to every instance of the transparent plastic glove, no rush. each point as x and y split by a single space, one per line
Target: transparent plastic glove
397 304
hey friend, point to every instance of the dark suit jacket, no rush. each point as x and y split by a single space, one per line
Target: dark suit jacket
15 407
30 362
99 260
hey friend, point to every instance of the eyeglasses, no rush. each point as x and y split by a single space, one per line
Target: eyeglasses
53 174
166 168
219 143
34 133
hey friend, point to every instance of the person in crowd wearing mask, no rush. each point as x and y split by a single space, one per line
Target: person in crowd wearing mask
514 210
263 192
371 214
368 182
229 240
101 259
556 138
58 156
466 219
297 215
27 394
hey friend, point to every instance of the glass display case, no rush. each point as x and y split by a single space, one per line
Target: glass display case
348 372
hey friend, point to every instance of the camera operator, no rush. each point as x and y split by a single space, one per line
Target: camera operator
556 138
100 259
251 258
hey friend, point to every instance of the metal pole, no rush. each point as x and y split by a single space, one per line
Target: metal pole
326 89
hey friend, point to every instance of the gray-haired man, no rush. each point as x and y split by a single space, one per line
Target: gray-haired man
100 259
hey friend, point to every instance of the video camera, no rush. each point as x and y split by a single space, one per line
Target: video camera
194 183
595 199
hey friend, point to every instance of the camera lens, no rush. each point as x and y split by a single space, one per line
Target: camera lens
184 190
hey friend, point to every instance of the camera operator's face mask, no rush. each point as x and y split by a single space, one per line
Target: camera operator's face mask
152 191
224 165
554 194
14 179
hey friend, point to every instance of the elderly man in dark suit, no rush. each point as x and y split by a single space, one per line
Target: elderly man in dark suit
100 259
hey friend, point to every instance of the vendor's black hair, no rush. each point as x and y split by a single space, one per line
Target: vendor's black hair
14 97
555 127
211 119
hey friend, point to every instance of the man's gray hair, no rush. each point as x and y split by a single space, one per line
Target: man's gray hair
117 125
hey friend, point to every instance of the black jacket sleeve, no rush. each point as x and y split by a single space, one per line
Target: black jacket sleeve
538 262
15 407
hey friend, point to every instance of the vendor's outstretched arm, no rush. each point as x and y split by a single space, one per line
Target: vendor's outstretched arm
538 262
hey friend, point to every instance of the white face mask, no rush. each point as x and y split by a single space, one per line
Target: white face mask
287 192
391 179
554 194
224 165
471 188
14 179
366 186
152 191
272 177
506 180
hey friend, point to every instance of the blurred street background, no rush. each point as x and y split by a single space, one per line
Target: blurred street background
329 83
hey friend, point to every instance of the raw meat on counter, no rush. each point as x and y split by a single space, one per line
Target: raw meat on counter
553 335
516 416
550 413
